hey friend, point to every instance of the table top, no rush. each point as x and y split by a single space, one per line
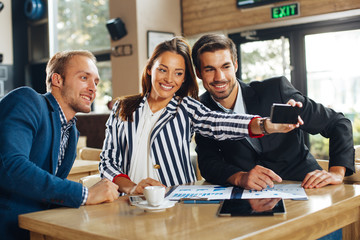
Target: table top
327 209
84 166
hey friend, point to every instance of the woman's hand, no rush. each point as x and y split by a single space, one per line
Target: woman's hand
265 126
281 127
129 187
139 188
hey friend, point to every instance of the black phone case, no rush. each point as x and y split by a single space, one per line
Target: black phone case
283 113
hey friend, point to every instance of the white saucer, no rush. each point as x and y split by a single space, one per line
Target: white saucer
148 208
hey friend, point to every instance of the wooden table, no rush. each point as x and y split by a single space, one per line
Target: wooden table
82 168
327 209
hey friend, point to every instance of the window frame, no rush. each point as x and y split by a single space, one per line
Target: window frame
296 35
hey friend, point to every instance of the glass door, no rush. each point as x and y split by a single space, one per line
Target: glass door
265 59
333 79
320 59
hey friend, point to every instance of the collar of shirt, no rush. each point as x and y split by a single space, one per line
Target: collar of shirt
64 124
239 104
64 137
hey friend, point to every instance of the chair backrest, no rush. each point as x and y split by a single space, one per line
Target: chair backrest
357 153
87 153
90 180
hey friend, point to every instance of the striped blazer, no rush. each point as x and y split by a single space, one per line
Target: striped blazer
169 140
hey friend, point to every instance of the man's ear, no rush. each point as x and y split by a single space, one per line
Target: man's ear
56 80
236 66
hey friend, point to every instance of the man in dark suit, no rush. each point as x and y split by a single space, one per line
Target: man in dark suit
38 140
256 163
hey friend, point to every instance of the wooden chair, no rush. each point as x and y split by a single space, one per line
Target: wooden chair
81 143
87 153
89 181
357 153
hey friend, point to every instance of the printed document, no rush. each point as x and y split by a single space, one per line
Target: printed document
285 191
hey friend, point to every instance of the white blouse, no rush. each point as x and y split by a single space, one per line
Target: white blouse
141 166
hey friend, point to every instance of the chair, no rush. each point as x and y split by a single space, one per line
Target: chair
89 181
88 153
93 154
81 143
194 159
357 153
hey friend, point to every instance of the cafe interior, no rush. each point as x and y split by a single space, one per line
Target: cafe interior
314 44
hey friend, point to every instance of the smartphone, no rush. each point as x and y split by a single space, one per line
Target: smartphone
136 199
252 207
284 113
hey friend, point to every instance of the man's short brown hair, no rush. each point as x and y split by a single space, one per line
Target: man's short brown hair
58 63
212 43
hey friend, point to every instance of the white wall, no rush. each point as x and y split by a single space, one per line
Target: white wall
139 16
6 43
156 15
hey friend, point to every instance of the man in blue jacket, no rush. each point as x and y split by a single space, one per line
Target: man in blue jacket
38 139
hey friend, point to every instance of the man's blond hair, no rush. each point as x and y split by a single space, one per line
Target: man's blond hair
58 63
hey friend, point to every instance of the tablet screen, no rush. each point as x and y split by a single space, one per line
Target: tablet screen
252 207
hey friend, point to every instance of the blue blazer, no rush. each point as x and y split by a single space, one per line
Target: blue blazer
29 148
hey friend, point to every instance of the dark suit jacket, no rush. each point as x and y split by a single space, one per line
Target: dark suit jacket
29 149
286 154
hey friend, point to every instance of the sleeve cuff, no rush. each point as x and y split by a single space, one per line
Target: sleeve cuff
250 133
85 194
121 175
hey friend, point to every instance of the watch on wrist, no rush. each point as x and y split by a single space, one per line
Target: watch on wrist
262 126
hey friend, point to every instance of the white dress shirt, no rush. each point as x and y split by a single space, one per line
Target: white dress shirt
140 165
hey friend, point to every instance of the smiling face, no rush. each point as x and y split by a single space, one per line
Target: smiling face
77 90
218 75
167 75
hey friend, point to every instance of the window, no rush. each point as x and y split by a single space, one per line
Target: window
265 59
104 89
324 56
81 24
334 79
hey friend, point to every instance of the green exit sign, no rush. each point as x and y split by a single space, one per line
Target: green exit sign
285 11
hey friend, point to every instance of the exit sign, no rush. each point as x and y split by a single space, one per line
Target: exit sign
283 11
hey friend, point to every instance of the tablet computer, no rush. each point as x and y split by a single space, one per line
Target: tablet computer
252 207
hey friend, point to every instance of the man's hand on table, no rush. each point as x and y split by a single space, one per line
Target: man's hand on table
321 178
257 178
103 191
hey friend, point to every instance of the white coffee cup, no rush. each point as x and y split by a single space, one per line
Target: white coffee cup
154 195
